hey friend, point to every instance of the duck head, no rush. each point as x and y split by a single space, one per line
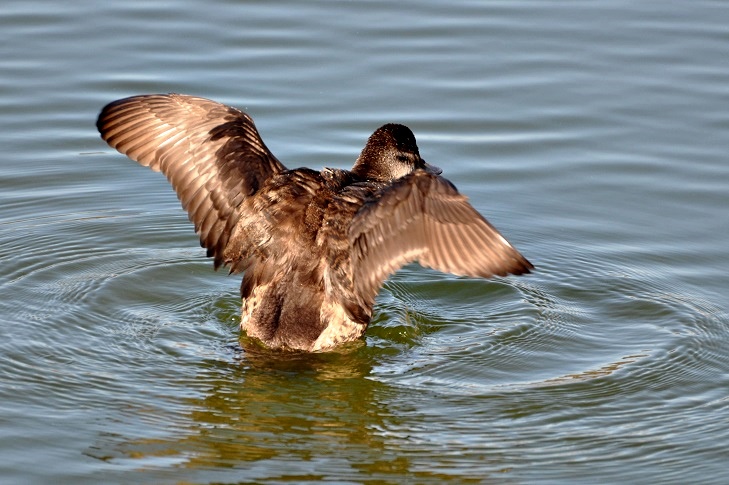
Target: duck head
390 153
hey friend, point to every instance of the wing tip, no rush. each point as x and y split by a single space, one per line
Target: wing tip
522 269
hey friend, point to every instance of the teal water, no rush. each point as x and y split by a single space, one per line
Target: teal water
594 135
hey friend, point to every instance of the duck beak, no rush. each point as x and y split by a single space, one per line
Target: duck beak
432 168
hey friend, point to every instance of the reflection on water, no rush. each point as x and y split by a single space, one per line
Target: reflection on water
590 374
284 412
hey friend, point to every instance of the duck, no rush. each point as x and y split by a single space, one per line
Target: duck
314 247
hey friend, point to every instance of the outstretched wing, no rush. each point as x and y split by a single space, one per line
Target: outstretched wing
423 217
212 155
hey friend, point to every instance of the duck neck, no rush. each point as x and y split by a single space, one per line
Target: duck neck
364 169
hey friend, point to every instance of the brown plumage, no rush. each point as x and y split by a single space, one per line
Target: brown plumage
315 247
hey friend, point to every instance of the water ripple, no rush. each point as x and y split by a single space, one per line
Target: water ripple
559 332
592 133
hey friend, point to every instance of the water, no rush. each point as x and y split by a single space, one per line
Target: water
593 135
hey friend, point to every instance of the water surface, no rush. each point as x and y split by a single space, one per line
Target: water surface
594 135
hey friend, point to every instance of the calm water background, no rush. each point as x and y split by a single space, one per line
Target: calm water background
593 134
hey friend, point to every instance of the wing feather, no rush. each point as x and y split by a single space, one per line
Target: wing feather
212 155
422 217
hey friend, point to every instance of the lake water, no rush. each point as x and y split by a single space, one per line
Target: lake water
594 135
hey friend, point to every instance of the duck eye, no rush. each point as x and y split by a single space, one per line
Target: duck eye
403 159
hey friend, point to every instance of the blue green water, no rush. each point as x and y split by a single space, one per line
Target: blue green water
593 134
